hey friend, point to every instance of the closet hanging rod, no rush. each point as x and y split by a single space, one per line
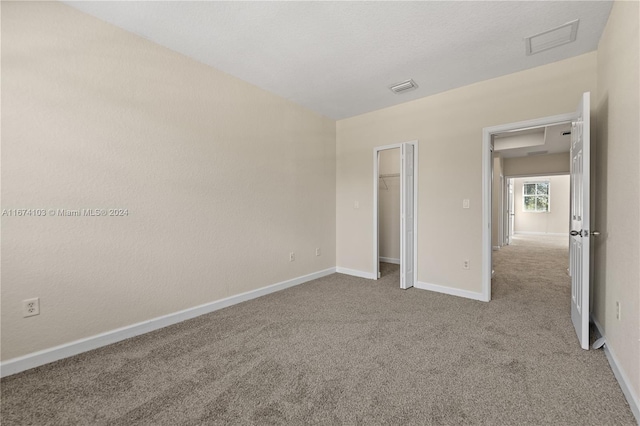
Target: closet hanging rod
389 175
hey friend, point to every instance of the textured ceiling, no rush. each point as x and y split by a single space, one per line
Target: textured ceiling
338 58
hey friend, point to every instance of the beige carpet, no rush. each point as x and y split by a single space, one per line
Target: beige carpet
344 350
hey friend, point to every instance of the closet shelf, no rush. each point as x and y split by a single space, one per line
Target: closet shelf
388 175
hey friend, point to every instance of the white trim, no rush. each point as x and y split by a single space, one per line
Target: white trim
487 172
36 359
560 234
356 273
451 291
623 380
390 260
416 182
487 164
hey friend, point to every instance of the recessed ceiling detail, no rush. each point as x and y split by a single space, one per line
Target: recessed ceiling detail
405 86
534 141
555 37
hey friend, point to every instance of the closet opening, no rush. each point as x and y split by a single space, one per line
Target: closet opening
395 183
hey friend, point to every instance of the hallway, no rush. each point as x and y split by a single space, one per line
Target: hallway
533 269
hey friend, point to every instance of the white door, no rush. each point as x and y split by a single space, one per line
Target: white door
512 211
502 228
580 234
505 213
407 204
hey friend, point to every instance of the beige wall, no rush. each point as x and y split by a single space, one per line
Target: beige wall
448 127
496 200
221 180
389 204
538 165
556 221
617 209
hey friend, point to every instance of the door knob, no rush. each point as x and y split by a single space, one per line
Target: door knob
576 233
595 233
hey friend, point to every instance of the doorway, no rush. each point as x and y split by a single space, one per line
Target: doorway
488 183
405 171
389 206
541 205
580 233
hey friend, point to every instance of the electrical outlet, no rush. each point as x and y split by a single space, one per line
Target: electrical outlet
465 264
318 251
292 257
356 204
31 307
618 311
465 203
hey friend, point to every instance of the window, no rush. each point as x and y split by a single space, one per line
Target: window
535 196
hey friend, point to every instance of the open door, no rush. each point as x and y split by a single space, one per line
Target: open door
511 212
579 259
580 235
502 217
507 209
407 216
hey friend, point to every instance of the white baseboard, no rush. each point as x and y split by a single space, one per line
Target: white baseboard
451 291
36 359
496 248
355 273
390 260
559 234
620 375
623 381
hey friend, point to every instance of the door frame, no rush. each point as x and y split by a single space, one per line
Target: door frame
376 181
501 214
487 184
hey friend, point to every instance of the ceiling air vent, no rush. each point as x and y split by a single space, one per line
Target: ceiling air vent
552 38
537 152
405 86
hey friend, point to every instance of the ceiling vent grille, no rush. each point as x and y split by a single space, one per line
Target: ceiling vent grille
537 152
405 86
552 38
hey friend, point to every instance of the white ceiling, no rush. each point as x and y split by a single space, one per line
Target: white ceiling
338 58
